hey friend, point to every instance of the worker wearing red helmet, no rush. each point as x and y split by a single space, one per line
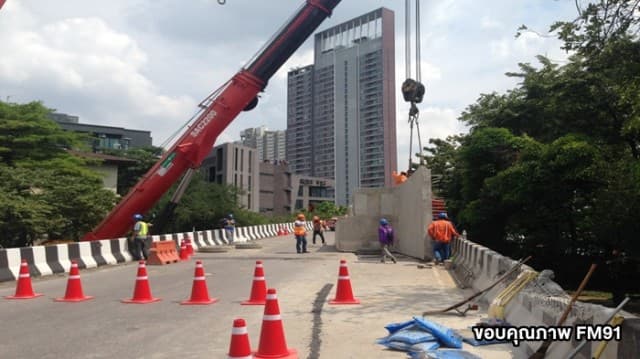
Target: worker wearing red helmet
300 232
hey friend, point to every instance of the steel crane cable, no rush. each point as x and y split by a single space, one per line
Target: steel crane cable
413 90
407 38
418 71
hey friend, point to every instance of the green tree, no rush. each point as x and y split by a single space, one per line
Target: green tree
597 25
23 216
440 158
203 205
326 210
551 167
46 191
28 136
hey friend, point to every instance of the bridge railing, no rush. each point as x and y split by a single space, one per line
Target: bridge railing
540 303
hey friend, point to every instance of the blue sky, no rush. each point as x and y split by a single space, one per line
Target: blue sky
146 64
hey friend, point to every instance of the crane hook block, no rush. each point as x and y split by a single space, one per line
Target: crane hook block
412 91
222 2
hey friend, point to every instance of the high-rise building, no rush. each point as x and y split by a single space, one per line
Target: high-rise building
341 110
271 145
300 120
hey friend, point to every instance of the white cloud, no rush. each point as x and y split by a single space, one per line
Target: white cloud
500 49
430 71
524 48
433 122
84 67
145 64
446 11
489 23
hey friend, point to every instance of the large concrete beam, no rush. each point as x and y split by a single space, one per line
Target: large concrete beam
408 209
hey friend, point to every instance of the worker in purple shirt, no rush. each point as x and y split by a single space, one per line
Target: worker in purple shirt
385 236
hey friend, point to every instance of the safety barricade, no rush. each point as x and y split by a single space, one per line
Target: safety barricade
163 252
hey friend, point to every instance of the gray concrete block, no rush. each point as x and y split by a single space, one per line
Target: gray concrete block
548 319
526 302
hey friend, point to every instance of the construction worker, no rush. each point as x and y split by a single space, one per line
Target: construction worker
399 179
139 238
442 232
385 237
318 228
229 225
300 232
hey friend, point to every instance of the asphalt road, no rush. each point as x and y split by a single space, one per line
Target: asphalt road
106 328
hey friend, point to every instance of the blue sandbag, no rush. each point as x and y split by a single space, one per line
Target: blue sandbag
445 335
443 354
402 346
425 346
394 327
475 342
412 335
405 347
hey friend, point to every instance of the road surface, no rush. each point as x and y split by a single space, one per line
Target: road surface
106 328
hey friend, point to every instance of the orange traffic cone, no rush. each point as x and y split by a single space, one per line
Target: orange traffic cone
189 245
199 292
184 253
74 286
272 341
142 292
344 294
239 347
24 290
259 288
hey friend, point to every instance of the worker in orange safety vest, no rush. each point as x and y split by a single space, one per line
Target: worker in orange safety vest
399 179
300 232
442 232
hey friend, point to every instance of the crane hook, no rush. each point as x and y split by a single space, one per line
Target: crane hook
222 2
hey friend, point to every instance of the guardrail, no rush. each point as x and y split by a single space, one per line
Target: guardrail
539 303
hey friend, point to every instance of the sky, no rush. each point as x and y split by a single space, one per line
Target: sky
146 64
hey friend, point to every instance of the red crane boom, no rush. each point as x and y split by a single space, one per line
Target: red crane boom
218 111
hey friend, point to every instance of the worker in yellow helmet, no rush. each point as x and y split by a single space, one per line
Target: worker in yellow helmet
300 232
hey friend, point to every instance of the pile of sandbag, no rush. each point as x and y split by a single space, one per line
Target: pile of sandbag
421 338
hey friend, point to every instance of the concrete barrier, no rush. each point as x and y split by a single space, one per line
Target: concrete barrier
218 237
272 231
408 209
47 260
540 303
265 230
